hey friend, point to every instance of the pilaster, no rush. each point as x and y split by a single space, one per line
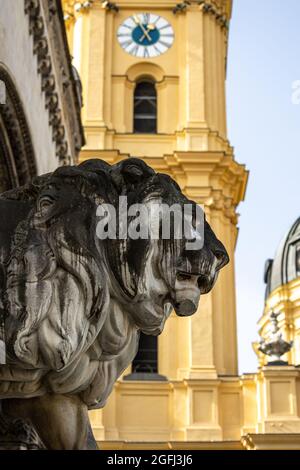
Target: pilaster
203 405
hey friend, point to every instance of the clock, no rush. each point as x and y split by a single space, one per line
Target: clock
145 35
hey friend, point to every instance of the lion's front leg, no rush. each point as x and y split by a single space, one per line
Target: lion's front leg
61 421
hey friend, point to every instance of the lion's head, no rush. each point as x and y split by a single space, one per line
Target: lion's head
154 275
61 277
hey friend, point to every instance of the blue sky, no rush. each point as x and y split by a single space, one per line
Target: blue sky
264 128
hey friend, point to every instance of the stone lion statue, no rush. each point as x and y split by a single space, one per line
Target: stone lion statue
72 305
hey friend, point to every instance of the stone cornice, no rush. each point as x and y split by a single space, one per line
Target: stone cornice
57 82
220 9
221 172
217 10
280 441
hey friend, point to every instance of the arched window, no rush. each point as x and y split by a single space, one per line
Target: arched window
145 108
298 260
17 160
146 359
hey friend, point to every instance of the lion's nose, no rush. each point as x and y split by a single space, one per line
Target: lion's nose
187 294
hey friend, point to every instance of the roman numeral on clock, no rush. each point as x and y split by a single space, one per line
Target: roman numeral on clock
134 50
126 44
163 43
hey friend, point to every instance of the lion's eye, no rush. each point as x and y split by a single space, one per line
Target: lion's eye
45 203
183 277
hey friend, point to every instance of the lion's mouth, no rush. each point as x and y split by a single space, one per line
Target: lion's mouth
185 308
188 288
155 316
206 283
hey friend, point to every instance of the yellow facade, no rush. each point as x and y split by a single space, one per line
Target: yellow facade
204 399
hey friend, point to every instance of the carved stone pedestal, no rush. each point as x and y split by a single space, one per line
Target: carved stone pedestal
17 434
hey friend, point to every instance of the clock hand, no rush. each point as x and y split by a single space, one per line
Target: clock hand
138 21
150 27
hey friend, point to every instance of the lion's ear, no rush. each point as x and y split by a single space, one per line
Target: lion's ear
133 174
130 173
45 204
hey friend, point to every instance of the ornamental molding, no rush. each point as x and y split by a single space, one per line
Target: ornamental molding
223 172
272 441
218 165
218 201
213 9
57 80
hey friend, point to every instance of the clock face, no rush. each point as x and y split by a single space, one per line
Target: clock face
145 35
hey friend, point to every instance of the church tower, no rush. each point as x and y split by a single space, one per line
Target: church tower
153 75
